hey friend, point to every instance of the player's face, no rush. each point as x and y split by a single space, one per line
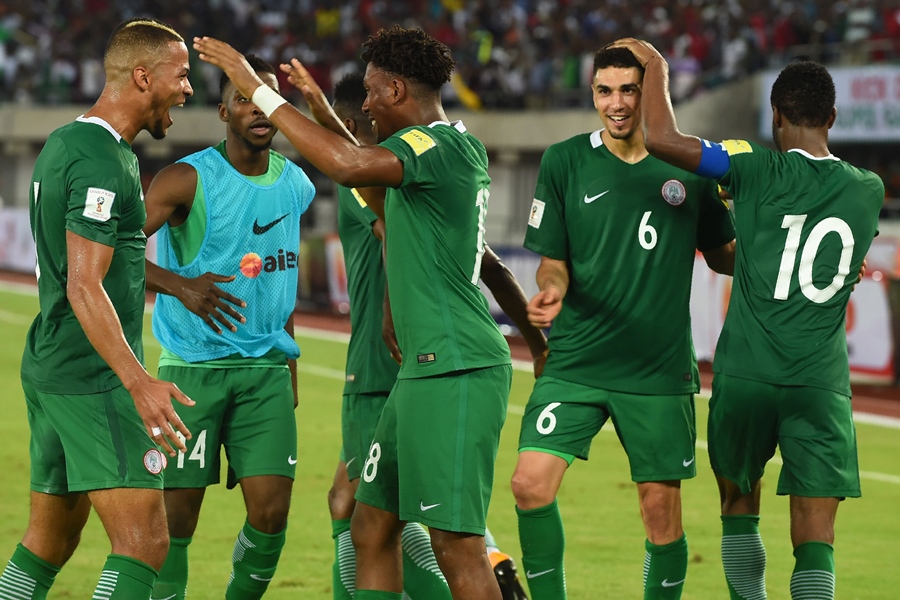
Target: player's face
380 101
617 98
245 121
169 87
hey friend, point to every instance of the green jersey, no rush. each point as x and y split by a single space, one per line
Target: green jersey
804 225
370 368
435 242
86 180
629 234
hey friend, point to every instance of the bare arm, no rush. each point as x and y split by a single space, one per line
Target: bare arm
88 263
509 295
342 161
553 281
721 259
170 198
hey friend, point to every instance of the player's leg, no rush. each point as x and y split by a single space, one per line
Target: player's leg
504 569
553 434
742 430
340 505
818 446
462 558
260 438
182 513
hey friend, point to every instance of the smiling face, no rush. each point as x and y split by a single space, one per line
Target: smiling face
169 87
380 101
617 98
246 122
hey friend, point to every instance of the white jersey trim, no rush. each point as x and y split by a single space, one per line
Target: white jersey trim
458 125
811 157
596 140
101 123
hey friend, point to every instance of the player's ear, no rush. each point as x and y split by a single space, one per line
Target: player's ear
399 90
141 77
776 117
223 112
350 124
832 118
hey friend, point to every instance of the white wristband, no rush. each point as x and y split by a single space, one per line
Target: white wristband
267 99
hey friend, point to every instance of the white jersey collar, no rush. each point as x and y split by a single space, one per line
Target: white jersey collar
101 123
811 157
596 140
458 125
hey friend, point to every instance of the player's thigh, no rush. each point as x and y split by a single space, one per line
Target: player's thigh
104 442
658 434
562 417
48 458
817 439
359 417
200 465
260 429
379 485
742 429
448 432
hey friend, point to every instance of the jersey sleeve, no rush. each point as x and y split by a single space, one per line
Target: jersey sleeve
412 146
355 206
95 198
749 162
546 233
715 224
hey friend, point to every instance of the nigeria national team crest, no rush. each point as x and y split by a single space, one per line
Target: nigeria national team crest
154 461
673 192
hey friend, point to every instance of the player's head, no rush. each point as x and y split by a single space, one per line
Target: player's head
616 89
151 56
405 66
349 96
246 123
803 94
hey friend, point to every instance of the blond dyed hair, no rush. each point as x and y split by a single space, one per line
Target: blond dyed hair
137 42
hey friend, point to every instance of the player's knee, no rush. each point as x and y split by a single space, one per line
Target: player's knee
341 502
150 547
269 518
373 530
531 491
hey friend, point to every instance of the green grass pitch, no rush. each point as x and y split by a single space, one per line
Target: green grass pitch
604 535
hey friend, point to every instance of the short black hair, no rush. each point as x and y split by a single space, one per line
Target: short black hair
804 94
258 65
349 96
621 58
410 53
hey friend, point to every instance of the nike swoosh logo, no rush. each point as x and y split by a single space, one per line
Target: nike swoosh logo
588 200
258 578
687 463
423 507
666 583
531 575
350 461
261 229
166 598
292 460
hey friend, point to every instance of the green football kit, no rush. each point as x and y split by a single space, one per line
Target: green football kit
804 225
86 431
432 456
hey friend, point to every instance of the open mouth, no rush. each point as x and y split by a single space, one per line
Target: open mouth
262 127
618 119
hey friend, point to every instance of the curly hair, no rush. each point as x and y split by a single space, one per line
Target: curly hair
410 53
256 63
804 94
620 58
349 96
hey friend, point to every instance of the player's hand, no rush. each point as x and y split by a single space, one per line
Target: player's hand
153 401
862 273
724 196
544 307
239 71
390 338
204 298
300 78
539 361
643 51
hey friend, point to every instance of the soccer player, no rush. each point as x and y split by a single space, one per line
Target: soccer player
97 418
370 375
617 232
230 209
432 458
805 220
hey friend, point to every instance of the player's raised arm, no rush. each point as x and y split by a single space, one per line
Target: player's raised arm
342 161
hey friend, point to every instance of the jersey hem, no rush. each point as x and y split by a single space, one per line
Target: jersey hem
770 381
468 367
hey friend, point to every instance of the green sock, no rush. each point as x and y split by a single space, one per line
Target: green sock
343 573
27 576
665 569
743 557
376 595
543 547
422 577
489 541
813 575
173 576
253 562
125 578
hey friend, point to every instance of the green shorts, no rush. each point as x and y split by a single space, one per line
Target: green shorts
249 410
432 457
657 432
359 416
813 428
90 442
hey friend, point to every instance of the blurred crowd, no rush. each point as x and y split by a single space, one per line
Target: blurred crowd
510 54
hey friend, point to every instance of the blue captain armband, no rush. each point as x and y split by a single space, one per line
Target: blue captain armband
714 160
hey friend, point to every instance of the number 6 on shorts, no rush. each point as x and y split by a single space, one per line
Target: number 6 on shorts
546 422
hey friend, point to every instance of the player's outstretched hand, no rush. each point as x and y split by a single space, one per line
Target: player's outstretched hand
300 78
862 273
643 51
239 71
153 401
544 307
204 298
